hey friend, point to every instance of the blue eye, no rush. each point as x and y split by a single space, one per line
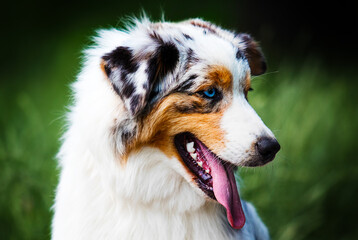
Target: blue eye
210 93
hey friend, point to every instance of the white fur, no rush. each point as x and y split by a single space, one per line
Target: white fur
149 197
243 127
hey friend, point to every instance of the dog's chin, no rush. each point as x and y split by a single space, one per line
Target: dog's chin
213 176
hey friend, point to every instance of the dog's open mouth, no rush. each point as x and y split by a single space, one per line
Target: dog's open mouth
214 176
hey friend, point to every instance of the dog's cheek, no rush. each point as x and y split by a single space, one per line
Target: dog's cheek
167 121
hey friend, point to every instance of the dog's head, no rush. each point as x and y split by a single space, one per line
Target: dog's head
184 87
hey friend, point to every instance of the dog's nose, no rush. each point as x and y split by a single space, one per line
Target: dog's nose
267 148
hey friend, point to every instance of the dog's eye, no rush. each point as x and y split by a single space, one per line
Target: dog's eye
210 93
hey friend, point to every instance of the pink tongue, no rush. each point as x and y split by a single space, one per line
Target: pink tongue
225 190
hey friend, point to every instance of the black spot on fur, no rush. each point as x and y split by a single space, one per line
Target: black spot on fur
155 36
119 64
163 62
191 59
128 89
124 76
135 102
120 57
145 86
192 77
190 54
169 55
185 87
240 55
107 69
187 36
187 84
116 89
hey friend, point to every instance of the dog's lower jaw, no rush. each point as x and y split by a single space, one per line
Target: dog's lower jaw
112 203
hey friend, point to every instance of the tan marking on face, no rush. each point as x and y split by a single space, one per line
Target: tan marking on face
159 129
166 119
218 76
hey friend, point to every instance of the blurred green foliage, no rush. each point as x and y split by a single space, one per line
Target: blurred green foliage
308 192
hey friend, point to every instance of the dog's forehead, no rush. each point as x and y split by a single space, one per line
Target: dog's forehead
210 46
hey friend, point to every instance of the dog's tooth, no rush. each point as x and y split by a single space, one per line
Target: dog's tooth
200 163
207 170
194 155
190 147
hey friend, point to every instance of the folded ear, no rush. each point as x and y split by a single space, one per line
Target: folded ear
136 73
253 54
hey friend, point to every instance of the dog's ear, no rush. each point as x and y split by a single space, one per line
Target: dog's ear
252 53
136 74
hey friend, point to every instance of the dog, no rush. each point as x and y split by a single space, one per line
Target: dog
160 123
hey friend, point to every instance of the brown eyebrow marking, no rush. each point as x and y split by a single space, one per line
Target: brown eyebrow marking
221 76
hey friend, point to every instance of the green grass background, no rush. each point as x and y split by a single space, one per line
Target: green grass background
310 191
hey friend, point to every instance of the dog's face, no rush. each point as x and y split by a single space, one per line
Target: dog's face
184 87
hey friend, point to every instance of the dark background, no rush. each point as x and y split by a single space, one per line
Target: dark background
327 29
308 97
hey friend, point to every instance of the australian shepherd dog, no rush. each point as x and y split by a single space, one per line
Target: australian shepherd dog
159 125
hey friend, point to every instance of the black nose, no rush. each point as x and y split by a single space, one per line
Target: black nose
267 148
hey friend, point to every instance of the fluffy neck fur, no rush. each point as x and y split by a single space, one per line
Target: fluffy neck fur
156 204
